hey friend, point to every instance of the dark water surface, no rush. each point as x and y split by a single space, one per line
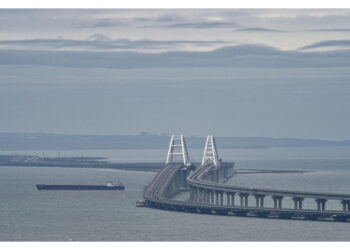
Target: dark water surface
27 214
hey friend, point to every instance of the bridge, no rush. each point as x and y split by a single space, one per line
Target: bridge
209 194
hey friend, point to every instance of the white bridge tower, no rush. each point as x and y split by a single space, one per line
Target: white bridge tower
178 150
210 154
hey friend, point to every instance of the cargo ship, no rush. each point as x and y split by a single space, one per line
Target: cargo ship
109 186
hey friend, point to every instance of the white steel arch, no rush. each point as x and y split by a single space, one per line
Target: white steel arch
210 154
177 149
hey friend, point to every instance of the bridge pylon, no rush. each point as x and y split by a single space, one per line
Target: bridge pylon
210 155
177 150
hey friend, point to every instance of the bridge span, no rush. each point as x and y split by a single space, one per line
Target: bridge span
210 195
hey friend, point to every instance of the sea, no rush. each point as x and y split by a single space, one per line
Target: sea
27 214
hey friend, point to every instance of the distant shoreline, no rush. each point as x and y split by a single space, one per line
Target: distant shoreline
85 167
74 162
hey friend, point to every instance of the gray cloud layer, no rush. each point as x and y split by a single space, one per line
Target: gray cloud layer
330 30
102 42
330 43
204 25
258 29
236 56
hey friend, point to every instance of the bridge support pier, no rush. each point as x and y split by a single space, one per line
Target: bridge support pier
244 199
346 205
196 194
221 198
182 178
228 198
217 197
191 194
277 201
211 194
321 204
201 195
259 200
205 196
232 199
298 203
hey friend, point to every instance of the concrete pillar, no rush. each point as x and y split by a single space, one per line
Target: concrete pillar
244 199
321 204
232 199
228 196
295 204
184 178
277 201
191 194
221 198
259 200
194 194
298 203
201 195
198 195
346 205
217 197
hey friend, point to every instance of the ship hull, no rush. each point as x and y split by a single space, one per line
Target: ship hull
77 187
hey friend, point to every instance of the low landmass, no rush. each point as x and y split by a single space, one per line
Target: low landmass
19 160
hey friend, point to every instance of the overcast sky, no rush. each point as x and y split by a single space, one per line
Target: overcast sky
228 72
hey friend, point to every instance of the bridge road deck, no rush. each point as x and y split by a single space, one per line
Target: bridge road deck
156 195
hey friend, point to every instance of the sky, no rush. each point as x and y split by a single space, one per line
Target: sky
228 72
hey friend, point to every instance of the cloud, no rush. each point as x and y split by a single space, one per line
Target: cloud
328 43
243 56
330 30
104 22
258 29
100 42
204 25
143 21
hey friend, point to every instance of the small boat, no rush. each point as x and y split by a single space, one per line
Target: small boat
109 186
140 203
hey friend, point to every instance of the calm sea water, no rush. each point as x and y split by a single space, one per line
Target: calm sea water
27 214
